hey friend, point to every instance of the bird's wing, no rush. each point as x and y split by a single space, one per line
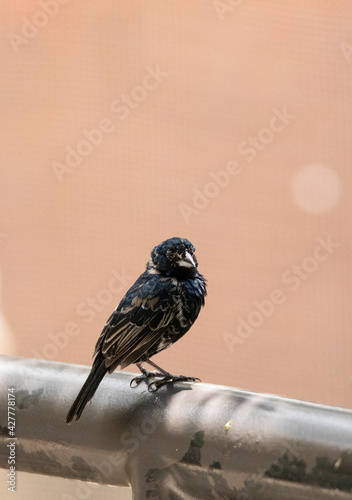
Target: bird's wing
139 321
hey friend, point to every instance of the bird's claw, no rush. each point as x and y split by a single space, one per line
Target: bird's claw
145 375
156 384
137 380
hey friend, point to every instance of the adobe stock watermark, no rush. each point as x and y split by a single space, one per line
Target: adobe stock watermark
292 279
255 488
82 490
87 310
277 468
248 149
121 108
223 7
33 24
131 441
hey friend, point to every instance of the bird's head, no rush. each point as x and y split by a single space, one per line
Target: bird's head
174 257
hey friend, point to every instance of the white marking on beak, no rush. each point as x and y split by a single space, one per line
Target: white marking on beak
187 261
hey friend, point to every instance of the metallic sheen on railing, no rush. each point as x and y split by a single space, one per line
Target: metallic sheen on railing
187 440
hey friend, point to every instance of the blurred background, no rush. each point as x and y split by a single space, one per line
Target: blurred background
225 122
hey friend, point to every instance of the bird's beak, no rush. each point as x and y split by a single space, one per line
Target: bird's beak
187 261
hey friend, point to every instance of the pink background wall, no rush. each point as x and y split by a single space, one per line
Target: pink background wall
229 123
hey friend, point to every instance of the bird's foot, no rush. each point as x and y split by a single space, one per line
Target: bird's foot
168 379
145 375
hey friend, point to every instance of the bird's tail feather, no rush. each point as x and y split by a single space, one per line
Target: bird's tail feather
88 390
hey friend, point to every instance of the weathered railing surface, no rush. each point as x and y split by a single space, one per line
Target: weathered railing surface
187 441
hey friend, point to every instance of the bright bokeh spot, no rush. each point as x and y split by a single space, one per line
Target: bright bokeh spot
316 189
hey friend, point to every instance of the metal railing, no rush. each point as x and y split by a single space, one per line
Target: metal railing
185 441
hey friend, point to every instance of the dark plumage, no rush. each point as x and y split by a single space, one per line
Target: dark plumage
157 310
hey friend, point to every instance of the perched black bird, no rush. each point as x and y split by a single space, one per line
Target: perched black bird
157 310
